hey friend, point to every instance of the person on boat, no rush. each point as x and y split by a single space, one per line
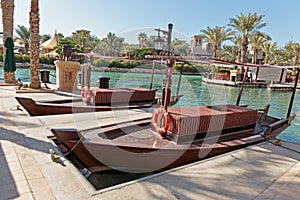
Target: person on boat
249 75
239 74
288 79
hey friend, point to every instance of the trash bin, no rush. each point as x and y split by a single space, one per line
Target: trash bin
209 76
240 77
104 82
233 78
45 76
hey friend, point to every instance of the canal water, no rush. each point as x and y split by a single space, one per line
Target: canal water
195 92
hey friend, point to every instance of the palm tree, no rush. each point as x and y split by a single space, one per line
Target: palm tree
34 22
8 7
93 42
216 36
280 57
81 41
44 37
293 49
237 40
85 42
180 47
142 38
23 34
111 45
257 40
268 48
229 53
247 25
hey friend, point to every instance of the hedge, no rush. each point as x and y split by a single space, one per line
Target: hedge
26 59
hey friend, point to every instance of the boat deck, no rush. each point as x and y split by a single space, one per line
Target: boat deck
272 86
234 84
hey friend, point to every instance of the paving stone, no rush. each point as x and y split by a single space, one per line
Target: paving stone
40 189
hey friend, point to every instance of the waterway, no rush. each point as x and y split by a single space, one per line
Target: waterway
195 92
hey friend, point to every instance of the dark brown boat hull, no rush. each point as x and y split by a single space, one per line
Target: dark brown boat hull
43 108
133 159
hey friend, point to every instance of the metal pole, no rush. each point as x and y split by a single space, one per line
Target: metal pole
168 70
293 94
281 75
170 26
242 87
179 80
152 76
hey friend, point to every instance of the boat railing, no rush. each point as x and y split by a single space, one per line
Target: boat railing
278 125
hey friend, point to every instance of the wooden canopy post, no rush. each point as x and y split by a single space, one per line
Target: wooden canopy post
179 80
281 75
293 94
242 87
152 76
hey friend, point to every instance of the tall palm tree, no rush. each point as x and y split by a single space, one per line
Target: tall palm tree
293 49
111 45
85 42
247 25
81 40
216 36
257 40
237 40
34 22
179 47
23 34
8 7
93 42
280 56
142 38
229 53
268 48
44 37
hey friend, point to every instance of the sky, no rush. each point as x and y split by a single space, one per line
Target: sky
127 18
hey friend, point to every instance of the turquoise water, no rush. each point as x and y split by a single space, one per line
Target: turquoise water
197 93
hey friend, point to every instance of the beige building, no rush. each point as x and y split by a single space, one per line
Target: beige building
198 48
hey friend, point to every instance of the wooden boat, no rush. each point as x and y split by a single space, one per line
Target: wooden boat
35 108
77 105
172 137
192 134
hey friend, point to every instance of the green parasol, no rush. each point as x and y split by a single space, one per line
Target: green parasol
9 58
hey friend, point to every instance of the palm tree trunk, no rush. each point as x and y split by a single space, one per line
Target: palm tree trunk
34 22
296 59
215 51
238 57
267 59
8 29
244 50
254 56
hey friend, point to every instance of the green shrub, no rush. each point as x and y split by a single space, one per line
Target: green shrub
193 68
101 62
47 60
22 58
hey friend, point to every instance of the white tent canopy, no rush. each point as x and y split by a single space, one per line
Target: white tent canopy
51 43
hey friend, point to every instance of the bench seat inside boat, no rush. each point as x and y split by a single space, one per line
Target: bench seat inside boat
122 95
185 121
